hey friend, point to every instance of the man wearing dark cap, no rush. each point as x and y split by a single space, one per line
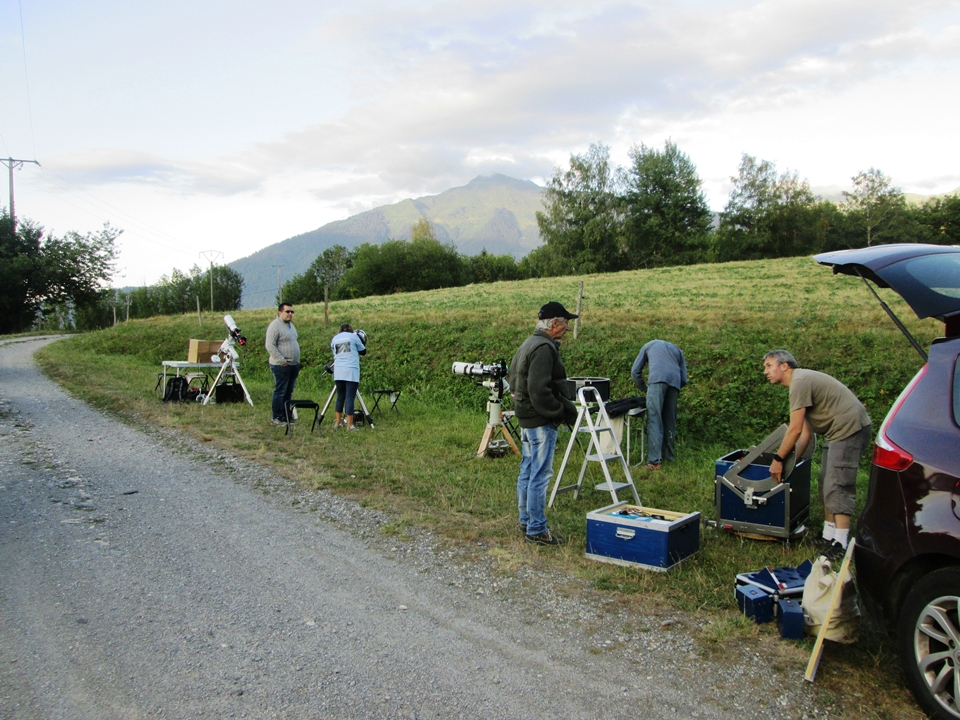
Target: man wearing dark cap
542 401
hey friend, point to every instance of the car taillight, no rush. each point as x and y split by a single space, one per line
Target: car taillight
889 456
886 453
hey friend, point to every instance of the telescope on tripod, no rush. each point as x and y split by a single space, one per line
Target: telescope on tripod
227 356
493 379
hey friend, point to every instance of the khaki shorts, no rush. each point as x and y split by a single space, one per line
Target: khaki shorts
838 471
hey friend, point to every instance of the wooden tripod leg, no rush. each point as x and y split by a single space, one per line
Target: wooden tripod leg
485 442
834 602
509 438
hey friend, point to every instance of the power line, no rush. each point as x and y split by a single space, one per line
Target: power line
179 246
23 45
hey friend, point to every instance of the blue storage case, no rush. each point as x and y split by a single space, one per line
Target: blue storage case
755 603
636 536
779 582
790 619
754 503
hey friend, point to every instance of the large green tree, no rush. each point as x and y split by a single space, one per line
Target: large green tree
581 224
50 277
667 219
320 281
770 215
877 211
939 220
422 263
488 268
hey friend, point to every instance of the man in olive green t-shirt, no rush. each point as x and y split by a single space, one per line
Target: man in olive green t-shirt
823 405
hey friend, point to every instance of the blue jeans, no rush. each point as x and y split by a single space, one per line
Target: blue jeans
536 469
661 422
346 393
285 379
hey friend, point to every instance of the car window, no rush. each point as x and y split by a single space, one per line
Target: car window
930 283
940 273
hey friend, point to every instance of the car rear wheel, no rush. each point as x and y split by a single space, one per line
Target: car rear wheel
929 642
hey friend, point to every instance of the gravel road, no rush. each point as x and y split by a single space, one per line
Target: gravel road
145 575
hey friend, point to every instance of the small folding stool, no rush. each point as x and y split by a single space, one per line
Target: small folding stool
307 404
394 395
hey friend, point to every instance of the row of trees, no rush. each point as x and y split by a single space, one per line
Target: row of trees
187 292
421 263
61 283
48 281
175 294
603 218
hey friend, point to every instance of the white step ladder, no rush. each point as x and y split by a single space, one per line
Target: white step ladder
603 448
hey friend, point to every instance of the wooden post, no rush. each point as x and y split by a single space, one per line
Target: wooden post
326 305
576 323
199 313
814 663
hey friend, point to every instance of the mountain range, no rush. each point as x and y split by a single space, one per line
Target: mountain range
495 213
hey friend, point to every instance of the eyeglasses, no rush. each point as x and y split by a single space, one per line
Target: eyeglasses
288 311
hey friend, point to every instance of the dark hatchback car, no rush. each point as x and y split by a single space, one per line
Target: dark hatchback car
908 536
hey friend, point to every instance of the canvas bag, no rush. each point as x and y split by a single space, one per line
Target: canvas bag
818 588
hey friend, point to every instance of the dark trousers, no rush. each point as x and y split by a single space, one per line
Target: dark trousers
285 379
346 392
661 422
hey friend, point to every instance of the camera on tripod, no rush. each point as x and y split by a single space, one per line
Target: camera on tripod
491 373
493 378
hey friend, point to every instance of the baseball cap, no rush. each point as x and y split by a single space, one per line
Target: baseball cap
553 309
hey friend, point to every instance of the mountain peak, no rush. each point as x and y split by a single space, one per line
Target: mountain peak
496 213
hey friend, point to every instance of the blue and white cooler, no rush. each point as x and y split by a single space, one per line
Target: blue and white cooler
637 536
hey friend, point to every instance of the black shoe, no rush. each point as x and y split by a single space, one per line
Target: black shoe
523 529
817 542
544 538
835 552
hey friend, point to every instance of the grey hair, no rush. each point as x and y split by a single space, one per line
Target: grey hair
782 356
546 323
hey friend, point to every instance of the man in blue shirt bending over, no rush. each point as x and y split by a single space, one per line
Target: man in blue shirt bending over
667 375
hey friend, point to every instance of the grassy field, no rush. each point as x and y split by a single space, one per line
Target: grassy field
420 464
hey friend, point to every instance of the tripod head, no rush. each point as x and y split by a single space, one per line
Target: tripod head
227 352
496 387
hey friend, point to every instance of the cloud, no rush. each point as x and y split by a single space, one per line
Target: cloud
371 102
438 92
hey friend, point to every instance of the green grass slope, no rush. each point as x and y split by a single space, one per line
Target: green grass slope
420 463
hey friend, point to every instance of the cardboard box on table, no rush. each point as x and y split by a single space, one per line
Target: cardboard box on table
200 351
637 536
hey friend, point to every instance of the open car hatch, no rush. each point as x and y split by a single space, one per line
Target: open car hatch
927 277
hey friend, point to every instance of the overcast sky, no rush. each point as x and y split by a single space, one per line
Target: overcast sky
229 126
